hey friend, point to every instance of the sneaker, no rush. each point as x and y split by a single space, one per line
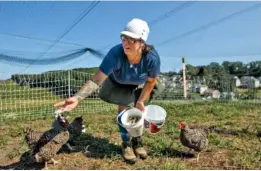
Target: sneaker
138 148
127 153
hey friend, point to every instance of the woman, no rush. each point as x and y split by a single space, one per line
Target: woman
128 75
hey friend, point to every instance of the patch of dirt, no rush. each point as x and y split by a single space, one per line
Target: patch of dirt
217 160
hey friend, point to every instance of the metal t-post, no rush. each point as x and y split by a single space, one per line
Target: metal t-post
184 78
69 84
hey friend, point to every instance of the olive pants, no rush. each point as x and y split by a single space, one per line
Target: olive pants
126 95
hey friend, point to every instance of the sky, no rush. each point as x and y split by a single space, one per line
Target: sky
202 31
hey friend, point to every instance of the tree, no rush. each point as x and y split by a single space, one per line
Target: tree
226 65
237 68
191 70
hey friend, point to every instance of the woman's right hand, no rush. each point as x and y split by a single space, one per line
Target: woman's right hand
67 105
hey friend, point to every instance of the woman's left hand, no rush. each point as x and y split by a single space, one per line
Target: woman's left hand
140 106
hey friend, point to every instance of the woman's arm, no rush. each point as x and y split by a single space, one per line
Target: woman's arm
91 85
88 88
106 67
145 93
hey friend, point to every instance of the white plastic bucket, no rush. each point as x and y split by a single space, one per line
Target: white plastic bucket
155 118
134 129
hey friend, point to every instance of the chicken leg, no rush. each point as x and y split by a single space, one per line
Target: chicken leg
46 166
54 161
70 147
198 156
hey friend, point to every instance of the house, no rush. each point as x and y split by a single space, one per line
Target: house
228 95
188 84
162 78
259 78
195 88
249 82
237 81
174 78
212 93
198 88
202 89
171 84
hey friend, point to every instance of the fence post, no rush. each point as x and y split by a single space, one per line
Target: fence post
69 84
184 78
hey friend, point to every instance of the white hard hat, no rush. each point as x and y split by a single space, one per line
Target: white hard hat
137 29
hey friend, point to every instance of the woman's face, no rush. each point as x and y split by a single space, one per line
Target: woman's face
131 46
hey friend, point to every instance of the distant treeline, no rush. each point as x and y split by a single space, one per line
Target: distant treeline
65 82
220 77
61 83
214 69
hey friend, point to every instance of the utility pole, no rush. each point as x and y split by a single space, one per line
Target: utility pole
184 78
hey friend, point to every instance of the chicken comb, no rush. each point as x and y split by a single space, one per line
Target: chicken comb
182 124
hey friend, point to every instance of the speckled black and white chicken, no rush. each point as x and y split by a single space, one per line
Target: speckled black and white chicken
45 147
32 137
195 139
75 128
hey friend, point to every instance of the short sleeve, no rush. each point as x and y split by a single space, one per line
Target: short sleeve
109 62
154 64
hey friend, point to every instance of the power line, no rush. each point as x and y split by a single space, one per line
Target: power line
206 26
171 12
87 11
38 39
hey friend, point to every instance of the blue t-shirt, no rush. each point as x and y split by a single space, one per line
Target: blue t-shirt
117 66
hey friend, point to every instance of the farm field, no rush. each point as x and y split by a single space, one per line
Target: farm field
226 151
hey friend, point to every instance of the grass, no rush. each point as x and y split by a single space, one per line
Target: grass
40 109
241 151
23 102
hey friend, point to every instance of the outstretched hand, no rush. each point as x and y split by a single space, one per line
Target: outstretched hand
67 105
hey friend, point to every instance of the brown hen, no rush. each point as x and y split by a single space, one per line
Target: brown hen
195 139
